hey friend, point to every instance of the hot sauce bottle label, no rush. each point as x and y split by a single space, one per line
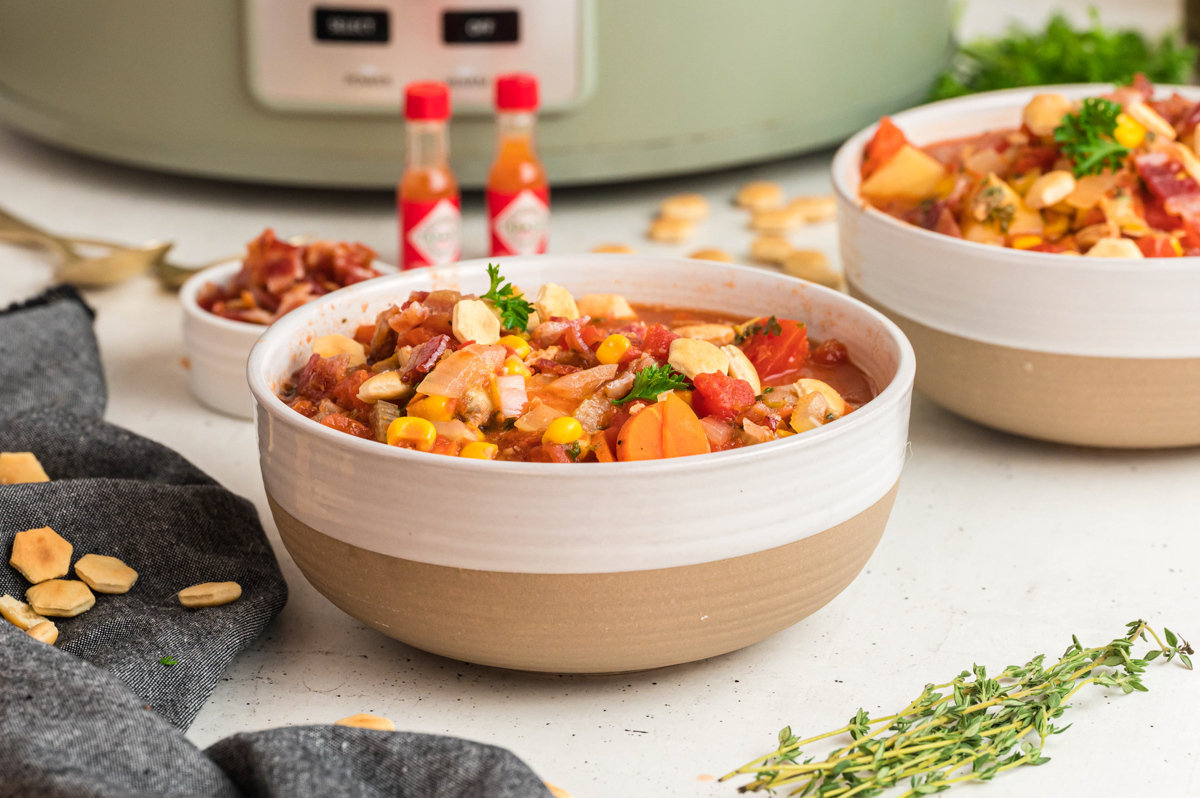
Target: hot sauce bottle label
430 232
520 222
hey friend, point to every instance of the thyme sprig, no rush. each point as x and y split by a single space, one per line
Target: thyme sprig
514 309
971 728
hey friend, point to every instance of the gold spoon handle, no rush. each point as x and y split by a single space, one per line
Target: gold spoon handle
18 231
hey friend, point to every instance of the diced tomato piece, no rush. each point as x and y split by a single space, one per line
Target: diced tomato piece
304 408
1049 246
364 334
830 352
321 375
721 396
345 393
556 453
1189 121
1157 246
657 342
631 354
886 142
1093 216
778 355
443 445
1164 176
347 425
592 335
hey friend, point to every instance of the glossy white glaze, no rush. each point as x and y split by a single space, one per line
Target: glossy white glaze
589 518
217 348
1148 308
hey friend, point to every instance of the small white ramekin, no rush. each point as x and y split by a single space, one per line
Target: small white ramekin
217 348
1090 351
594 567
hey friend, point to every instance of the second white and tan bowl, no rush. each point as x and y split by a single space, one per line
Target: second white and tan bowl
1088 351
588 568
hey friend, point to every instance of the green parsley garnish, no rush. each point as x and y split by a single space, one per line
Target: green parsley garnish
650 382
514 310
1062 53
168 661
770 328
1087 137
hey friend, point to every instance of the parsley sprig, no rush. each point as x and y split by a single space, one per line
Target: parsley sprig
650 382
1087 137
514 310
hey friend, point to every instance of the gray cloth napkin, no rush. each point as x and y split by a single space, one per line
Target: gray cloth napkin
99 714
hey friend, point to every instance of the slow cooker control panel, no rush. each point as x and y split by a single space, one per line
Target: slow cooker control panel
357 58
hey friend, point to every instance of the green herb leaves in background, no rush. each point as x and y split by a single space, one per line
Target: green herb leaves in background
972 728
1063 54
1087 137
168 661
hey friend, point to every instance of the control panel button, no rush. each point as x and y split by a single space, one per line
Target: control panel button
480 27
350 25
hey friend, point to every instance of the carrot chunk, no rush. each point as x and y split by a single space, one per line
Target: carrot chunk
886 142
641 438
683 434
603 452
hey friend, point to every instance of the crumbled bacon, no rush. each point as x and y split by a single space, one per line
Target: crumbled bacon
554 367
321 375
424 358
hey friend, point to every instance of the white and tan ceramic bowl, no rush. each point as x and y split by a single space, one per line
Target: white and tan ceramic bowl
1090 351
217 348
595 567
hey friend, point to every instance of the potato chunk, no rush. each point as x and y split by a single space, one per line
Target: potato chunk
473 320
60 598
337 344
18 613
364 720
690 357
605 306
40 554
20 467
210 594
105 574
554 300
910 174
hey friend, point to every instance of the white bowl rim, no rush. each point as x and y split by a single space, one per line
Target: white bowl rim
895 392
849 155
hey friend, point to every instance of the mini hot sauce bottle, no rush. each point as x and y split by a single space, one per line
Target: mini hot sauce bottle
518 196
430 206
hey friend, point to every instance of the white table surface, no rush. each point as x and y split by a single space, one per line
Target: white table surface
998 548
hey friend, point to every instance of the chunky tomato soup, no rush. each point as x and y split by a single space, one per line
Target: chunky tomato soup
569 380
1109 176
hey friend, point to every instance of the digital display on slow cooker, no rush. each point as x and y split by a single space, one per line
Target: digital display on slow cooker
480 27
350 25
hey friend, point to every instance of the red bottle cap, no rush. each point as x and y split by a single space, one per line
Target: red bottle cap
517 92
427 101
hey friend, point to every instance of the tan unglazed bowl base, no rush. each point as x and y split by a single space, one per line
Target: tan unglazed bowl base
587 623
1088 401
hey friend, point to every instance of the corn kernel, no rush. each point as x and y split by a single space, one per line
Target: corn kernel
563 430
479 451
1129 132
513 365
419 433
1175 245
1026 242
518 345
1057 225
613 349
432 408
